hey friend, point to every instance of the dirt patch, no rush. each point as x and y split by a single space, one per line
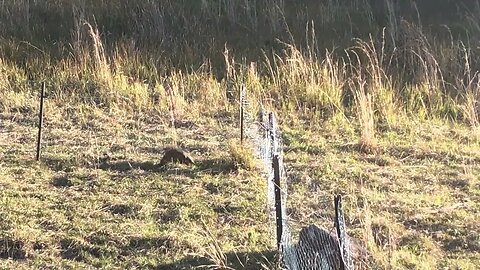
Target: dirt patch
217 166
186 124
461 243
160 245
21 109
226 208
39 246
49 225
460 184
413 241
70 250
413 155
379 161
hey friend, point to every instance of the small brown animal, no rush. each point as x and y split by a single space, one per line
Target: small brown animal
175 155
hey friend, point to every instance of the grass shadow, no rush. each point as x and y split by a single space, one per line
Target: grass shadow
126 210
311 150
12 249
213 166
244 260
411 154
125 165
59 164
453 239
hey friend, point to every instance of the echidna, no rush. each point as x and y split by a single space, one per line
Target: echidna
175 155
324 245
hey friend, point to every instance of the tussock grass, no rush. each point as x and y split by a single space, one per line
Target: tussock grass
367 141
241 156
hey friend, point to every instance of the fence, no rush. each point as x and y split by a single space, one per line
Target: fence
316 248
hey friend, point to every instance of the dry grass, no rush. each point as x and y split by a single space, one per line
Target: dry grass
100 201
125 79
411 206
241 156
367 141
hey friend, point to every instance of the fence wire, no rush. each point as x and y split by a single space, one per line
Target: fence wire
316 247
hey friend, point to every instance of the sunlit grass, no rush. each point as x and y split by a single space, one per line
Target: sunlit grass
388 117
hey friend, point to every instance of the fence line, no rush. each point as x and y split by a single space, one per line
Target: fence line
316 247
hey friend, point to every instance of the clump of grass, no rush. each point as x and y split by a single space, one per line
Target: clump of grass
471 88
367 143
364 104
13 94
214 251
118 87
472 109
307 81
3 76
375 76
241 156
101 67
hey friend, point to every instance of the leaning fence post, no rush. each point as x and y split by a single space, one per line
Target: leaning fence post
40 121
345 256
278 199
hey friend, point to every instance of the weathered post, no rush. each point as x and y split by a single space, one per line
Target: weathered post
278 199
272 130
40 121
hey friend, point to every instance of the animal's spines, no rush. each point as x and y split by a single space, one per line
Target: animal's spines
175 155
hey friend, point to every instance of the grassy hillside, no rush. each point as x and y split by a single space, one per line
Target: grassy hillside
377 100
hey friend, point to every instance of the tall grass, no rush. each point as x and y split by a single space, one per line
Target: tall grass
168 57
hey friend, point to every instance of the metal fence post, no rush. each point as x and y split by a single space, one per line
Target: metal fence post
40 121
278 199
242 113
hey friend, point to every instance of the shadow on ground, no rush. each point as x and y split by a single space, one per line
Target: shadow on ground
106 245
126 165
210 166
12 249
250 260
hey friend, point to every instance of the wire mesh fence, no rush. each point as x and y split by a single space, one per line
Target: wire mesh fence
316 248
